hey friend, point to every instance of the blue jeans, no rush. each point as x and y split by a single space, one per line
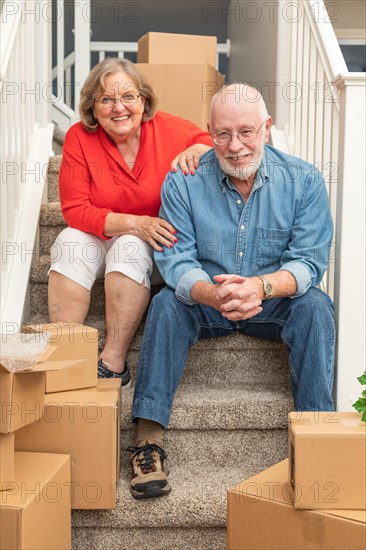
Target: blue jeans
304 324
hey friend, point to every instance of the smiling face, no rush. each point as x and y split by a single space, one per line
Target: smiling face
233 114
120 120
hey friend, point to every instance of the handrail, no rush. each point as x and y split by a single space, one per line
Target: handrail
69 61
325 38
97 46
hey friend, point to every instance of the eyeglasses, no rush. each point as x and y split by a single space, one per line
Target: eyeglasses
245 136
107 102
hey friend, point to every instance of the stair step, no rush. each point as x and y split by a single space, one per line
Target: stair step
221 447
59 135
196 507
167 538
53 170
51 223
197 500
51 214
40 269
206 407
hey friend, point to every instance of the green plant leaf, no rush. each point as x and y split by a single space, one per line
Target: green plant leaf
360 404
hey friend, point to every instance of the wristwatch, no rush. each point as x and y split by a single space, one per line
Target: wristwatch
267 287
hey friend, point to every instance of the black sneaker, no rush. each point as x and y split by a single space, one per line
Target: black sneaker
104 372
149 472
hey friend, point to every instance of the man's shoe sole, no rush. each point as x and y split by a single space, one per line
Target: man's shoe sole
151 489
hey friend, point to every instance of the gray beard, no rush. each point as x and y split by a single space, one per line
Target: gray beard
241 174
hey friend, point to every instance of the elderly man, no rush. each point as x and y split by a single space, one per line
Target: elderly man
254 231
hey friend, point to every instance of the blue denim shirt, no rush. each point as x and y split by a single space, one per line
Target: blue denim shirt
285 224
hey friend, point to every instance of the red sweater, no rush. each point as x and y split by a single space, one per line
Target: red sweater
95 180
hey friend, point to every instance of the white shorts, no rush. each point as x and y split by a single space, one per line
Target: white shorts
83 258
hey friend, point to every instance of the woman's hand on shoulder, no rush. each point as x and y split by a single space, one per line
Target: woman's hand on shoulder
155 231
188 160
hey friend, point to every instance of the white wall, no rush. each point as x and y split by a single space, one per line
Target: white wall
256 30
347 14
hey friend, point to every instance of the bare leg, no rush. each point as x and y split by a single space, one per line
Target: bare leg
126 302
68 301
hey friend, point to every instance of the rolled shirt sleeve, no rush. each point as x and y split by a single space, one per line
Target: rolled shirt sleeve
186 282
301 275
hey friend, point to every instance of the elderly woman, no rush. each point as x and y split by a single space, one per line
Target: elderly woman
114 162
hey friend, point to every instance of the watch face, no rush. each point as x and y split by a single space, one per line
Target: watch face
268 288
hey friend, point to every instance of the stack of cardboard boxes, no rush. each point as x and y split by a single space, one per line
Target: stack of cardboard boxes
181 70
315 499
59 442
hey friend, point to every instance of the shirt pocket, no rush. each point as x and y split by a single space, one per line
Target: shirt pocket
271 244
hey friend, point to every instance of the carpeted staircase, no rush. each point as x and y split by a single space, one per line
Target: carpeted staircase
229 422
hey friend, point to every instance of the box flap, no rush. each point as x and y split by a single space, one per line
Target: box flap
52 328
47 354
273 485
352 515
107 398
57 330
10 536
107 384
31 470
51 366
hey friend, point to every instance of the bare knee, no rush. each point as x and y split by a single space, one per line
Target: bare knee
67 300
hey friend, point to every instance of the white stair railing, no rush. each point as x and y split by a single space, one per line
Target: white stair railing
26 142
327 128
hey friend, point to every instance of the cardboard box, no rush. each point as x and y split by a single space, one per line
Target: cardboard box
6 460
184 90
36 513
327 454
261 516
86 425
74 342
22 393
164 47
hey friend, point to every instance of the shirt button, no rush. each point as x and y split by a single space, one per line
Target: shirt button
242 228
238 201
241 253
223 190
